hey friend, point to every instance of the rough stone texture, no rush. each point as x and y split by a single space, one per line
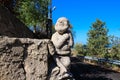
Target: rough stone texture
24 58
11 60
11 26
63 41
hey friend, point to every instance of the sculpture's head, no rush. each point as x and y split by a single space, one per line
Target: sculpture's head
62 25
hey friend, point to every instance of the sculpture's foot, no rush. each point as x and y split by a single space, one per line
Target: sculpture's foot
68 78
65 76
59 77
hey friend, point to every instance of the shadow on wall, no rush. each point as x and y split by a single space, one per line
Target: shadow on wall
11 26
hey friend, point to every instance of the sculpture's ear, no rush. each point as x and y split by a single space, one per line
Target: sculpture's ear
70 26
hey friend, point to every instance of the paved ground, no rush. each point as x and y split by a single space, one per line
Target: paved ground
82 71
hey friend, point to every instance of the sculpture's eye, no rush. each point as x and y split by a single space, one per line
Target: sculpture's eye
65 23
61 22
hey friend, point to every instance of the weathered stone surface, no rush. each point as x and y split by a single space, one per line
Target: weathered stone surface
24 58
11 26
63 41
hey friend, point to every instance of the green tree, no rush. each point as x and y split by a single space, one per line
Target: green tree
114 41
98 39
114 50
80 49
33 12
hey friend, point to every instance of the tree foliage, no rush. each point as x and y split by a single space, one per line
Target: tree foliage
80 49
98 39
114 50
33 12
114 41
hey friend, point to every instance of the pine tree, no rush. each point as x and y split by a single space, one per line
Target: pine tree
98 39
80 49
114 50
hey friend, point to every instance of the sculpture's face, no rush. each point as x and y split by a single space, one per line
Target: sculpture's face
62 25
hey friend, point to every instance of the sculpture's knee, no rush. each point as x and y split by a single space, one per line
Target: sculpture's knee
65 61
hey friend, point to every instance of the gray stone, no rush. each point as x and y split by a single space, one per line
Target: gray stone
24 58
63 41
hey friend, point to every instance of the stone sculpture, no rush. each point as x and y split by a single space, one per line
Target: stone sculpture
63 41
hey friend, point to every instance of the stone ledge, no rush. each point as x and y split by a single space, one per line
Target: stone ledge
24 58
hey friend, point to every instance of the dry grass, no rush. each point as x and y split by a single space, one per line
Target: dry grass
104 65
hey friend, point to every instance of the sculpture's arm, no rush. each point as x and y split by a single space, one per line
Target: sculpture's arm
71 40
59 42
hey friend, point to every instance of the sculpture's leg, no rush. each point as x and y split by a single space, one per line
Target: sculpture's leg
59 63
62 68
65 60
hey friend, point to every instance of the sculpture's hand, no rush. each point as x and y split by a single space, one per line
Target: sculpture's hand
71 41
65 47
66 36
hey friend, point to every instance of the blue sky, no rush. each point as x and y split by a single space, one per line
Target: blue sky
82 13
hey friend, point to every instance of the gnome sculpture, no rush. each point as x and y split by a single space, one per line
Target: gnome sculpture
63 41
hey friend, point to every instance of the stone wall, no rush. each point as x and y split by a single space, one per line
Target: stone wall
24 58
